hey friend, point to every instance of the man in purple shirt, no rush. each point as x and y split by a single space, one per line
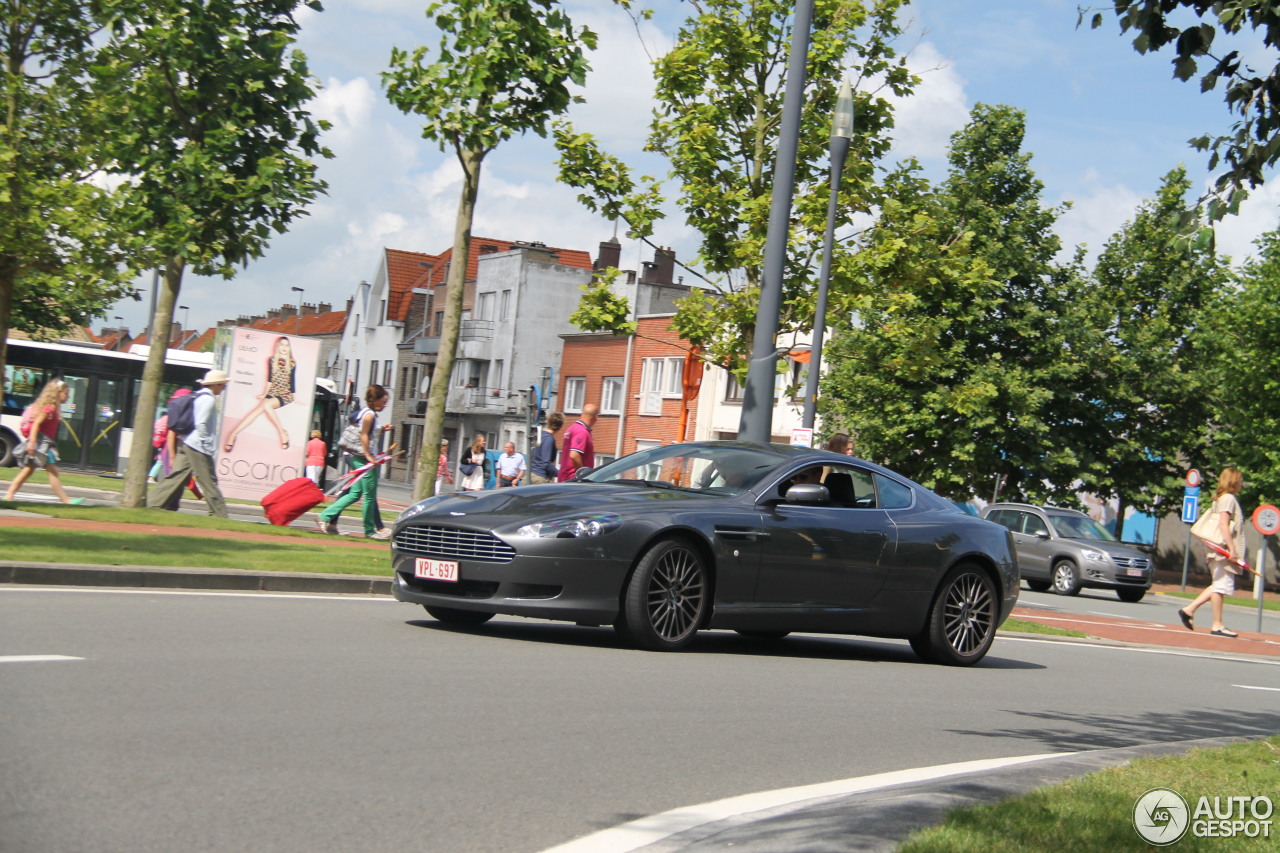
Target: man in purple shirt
578 451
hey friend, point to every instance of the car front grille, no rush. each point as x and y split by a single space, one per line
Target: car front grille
453 543
1132 563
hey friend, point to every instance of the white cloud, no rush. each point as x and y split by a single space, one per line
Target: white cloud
1097 212
938 108
1258 214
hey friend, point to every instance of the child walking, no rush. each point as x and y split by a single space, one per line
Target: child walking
40 450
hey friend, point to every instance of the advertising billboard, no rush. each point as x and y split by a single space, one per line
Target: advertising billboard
266 409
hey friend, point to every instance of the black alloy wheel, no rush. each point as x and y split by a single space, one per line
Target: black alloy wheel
1038 586
1131 594
962 620
667 597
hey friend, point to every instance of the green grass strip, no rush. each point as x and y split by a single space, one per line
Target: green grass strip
1238 601
1095 812
1022 627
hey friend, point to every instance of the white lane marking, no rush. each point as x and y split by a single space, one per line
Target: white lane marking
1255 687
651 829
337 596
34 658
1146 650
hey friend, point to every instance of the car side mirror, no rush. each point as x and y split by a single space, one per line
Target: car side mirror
1042 534
808 494
581 473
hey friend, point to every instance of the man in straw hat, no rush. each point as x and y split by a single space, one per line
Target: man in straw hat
195 451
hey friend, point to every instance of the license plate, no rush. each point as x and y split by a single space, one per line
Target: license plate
435 570
1134 573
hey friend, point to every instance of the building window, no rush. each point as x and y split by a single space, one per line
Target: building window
611 396
499 371
439 323
506 306
732 390
651 385
575 392
484 306
461 372
388 372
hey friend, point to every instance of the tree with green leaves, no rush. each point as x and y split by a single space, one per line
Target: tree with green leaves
964 357
1241 363
504 68
60 262
1151 409
1188 28
211 137
719 93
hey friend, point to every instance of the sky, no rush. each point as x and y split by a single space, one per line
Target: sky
1104 124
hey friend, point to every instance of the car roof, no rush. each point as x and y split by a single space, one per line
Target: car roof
1048 510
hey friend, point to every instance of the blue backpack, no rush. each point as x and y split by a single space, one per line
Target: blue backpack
182 414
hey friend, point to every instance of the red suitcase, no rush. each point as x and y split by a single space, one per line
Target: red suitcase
291 499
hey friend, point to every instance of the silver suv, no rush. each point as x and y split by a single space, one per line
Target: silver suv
1068 550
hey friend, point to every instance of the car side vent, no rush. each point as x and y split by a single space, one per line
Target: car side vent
453 543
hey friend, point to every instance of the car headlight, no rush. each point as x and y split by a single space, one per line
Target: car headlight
579 526
1095 556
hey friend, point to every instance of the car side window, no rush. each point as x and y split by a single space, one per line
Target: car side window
1034 525
893 495
851 487
1005 517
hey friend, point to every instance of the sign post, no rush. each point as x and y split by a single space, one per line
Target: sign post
1190 512
1266 520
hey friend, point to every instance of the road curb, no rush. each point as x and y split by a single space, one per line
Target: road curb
72 574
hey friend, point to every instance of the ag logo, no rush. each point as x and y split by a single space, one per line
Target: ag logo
1161 816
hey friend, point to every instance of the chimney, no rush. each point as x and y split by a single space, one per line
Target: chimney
324 308
609 255
665 261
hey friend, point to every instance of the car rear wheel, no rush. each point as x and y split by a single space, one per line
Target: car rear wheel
1066 578
450 616
962 619
1131 595
8 444
763 635
666 598
1038 586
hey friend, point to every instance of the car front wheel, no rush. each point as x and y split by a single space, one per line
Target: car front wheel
1133 596
666 598
450 616
962 620
1038 586
1066 578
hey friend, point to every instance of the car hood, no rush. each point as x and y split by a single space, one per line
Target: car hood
531 503
1115 549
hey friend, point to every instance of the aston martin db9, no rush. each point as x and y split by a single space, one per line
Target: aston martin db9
760 539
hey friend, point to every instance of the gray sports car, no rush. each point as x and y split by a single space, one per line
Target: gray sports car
763 540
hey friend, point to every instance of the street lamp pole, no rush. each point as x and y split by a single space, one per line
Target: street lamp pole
756 422
182 339
297 316
841 133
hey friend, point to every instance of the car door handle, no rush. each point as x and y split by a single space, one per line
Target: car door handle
741 534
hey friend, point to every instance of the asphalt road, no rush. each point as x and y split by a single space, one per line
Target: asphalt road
213 722
1152 608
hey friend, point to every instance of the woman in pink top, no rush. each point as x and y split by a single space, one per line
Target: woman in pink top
316 450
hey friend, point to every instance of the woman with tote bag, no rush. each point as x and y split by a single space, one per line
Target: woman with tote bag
1223 525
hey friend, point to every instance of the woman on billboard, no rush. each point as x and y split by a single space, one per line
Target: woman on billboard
281 376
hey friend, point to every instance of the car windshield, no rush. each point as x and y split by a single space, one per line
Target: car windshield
728 470
1081 527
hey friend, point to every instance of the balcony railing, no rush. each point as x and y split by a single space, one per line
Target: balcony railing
475 330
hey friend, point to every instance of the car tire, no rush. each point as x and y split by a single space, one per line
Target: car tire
450 616
1066 578
1038 586
8 444
762 635
667 597
962 619
1133 596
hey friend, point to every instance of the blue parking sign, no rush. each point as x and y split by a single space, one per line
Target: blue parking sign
1190 509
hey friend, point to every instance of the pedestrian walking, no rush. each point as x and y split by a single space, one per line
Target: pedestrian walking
316 452
39 427
1223 570
542 467
579 448
511 467
442 467
473 464
194 452
366 488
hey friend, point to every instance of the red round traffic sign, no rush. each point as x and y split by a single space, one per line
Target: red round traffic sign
1266 519
1193 477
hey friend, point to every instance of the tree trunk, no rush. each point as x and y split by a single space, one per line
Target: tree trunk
134 492
424 484
1120 519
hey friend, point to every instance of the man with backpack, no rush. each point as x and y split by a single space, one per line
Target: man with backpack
194 425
